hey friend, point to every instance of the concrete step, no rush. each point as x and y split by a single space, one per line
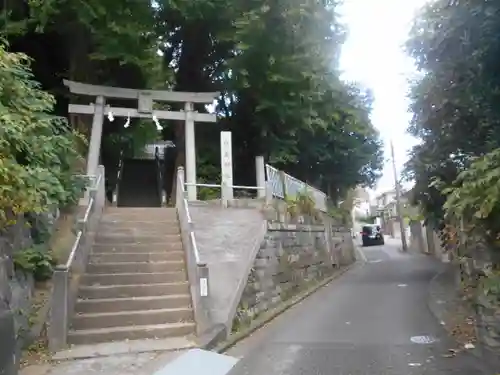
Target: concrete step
124 214
139 227
132 291
136 257
133 278
93 336
144 218
135 303
140 239
131 318
137 248
127 219
136 210
135 267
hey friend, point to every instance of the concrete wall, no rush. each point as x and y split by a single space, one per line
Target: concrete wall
228 239
291 258
424 239
417 238
247 246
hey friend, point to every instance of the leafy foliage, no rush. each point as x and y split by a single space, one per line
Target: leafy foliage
301 204
475 196
37 150
35 260
455 45
456 166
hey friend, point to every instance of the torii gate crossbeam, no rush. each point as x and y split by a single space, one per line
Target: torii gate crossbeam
145 99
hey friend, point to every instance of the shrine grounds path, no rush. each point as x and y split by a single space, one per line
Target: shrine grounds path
374 320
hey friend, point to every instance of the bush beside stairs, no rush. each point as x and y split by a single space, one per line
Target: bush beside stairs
135 285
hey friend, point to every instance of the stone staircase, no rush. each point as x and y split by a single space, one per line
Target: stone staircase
138 185
135 285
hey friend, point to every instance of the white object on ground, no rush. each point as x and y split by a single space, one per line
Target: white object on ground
422 339
197 362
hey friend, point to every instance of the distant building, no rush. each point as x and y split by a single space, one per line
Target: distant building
385 208
361 204
384 199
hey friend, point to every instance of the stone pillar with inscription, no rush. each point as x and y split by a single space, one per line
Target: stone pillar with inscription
226 159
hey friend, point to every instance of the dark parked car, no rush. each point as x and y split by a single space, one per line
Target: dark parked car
372 235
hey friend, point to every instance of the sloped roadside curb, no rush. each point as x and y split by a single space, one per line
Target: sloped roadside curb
443 301
271 314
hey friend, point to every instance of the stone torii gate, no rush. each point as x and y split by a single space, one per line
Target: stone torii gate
145 99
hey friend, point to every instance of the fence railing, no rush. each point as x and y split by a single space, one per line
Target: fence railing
160 177
197 269
282 184
66 276
118 179
225 197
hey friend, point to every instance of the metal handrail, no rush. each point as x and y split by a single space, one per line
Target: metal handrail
230 186
159 177
79 235
118 178
292 185
197 270
192 237
66 276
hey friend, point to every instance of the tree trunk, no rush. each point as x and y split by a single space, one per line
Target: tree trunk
190 77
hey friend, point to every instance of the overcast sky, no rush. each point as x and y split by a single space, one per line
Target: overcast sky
373 55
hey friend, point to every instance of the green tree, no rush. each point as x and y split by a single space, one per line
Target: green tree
38 151
454 103
275 64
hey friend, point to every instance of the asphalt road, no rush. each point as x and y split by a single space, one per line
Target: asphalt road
374 320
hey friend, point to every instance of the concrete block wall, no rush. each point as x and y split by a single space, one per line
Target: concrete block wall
291 258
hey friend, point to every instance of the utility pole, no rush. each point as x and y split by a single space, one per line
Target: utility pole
398 202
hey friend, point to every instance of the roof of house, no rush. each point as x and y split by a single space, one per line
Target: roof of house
385 193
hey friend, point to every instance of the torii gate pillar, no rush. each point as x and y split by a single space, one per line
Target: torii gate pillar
190 149
95 136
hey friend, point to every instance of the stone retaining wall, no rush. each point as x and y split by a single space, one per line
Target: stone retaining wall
473 265
15 293
17 288
291 258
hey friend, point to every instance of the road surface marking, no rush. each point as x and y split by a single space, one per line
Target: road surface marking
422 339
287 360
362 255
